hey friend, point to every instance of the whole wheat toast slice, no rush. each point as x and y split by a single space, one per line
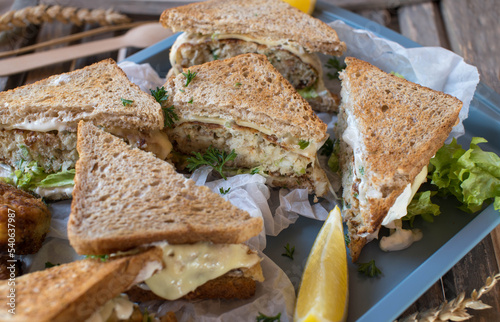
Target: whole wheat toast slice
389 130
245 88
101 93
74 291
273 20
125 197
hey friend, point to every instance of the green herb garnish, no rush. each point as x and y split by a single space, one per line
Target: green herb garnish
369 269
327 147
334 63
362 171
422 205
170 116
255 170
264 318
303 144
347 239
308 92
24 151
222 191
103 258
212 157
49 265
160 94
126 102
191 101
289 251
189 77
237 84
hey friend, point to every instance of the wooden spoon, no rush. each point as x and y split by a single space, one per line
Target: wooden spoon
140 37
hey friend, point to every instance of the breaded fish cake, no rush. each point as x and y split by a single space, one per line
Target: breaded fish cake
24 221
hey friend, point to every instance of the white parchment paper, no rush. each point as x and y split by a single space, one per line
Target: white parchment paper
436 68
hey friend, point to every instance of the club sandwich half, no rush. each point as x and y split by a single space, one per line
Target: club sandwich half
389 129
289 38
125 198
84 290
244 104
38 124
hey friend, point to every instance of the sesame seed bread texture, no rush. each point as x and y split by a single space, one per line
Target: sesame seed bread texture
74 291
125 197
245 88
92 93
272 20
401 126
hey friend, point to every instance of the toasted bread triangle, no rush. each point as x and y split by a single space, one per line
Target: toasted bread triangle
74 291
272 20
125 197
246 88
93 93
400 125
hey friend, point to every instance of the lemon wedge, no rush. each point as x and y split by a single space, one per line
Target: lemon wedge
306 6
323 293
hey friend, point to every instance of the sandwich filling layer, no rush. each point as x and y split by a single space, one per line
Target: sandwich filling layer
282 160
188 266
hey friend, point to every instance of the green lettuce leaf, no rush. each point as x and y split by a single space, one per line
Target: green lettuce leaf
59 179
308 92
422 205
472 176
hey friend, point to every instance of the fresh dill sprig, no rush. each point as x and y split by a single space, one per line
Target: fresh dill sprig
369 269
126 102
334 63
189 77
222 191
160 94
303 144
170 116
191 101
212 157
237 84
264 318
289 251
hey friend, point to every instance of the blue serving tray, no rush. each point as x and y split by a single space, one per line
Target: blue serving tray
409 273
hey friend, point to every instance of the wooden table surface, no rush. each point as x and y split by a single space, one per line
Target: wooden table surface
469 28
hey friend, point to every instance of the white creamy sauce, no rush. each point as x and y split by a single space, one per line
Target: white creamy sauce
188 266
399 238
54 193
6 170
147 271
39 125
121 305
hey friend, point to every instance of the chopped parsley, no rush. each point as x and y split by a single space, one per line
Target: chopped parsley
237 84
170 116
327 147
369 269
289 251
103 258
126 102
189 77
191 100
397 74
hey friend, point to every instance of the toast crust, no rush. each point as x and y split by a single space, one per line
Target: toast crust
401 126
125 197
245 88
272 20
74 291
93 93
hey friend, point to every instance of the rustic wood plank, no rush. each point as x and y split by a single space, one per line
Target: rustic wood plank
474 31
432 298
49 31
155 7
17 38
495 237
423 23
471 273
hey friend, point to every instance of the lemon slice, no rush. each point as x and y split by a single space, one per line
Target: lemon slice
323 293
306 6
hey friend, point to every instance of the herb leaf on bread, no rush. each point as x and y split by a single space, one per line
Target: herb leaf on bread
212 157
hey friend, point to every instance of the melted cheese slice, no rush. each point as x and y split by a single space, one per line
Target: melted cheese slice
188 266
